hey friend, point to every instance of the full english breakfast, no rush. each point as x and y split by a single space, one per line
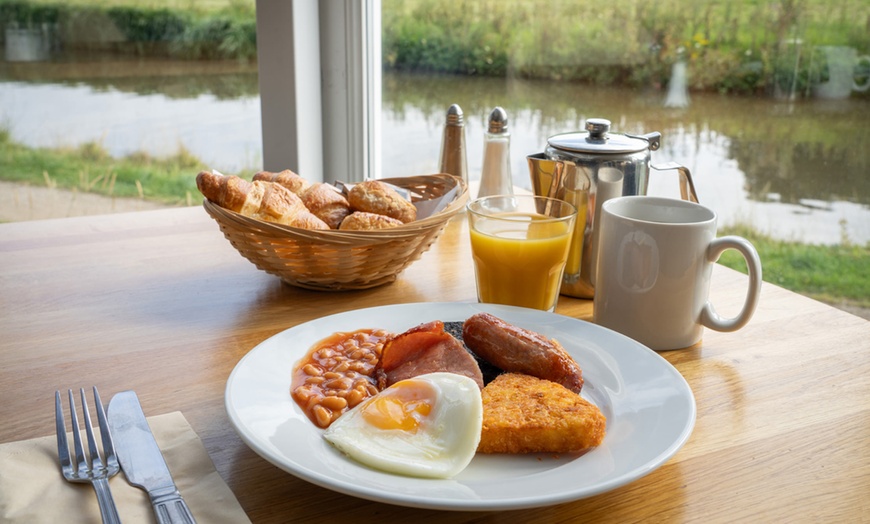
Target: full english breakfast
414 403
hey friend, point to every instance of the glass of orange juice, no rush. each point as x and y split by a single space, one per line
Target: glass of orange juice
520 244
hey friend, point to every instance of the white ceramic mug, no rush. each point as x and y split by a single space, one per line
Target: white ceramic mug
652 278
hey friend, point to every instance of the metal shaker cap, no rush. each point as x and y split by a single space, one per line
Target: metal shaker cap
498 121
454 115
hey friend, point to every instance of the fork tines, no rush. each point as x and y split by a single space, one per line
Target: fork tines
92 465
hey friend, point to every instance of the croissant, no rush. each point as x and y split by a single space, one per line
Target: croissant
374 196
326 203
228 192
286 178
261 200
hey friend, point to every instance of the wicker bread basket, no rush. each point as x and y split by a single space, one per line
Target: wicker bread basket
333 260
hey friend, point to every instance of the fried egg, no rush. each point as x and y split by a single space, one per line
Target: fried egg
426 426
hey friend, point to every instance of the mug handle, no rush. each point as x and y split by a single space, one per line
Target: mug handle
709 317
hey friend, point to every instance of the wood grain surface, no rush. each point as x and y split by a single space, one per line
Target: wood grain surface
159 302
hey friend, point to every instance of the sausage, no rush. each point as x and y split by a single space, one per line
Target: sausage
518 350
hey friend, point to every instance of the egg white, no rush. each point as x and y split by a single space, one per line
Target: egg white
441 447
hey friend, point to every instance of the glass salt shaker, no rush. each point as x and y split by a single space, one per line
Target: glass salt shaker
495 177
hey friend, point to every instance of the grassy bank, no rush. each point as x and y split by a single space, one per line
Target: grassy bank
91 168
218 29
837 274
742 46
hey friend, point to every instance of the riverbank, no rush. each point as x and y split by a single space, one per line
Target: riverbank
20 202
728 47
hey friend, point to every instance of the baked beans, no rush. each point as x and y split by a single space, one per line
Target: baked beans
337 374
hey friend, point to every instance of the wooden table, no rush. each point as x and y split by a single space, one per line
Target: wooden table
159 302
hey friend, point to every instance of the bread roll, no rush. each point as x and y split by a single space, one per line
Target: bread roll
261 200
286 178
326 203
373 196
362 221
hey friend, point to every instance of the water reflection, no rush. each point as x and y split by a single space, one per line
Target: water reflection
223 133
798 170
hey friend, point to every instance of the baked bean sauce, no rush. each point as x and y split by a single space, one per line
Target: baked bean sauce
337 374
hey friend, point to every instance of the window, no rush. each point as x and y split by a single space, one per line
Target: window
786 152
766 103
754 143
124 99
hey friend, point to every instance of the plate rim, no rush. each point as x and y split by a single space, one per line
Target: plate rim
324 480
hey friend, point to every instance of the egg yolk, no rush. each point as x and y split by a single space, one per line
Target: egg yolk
402 407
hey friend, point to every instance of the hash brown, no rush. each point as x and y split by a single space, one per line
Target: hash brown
524 414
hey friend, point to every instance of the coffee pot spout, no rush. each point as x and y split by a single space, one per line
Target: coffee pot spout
654 139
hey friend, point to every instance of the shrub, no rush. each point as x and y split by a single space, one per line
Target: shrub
148 25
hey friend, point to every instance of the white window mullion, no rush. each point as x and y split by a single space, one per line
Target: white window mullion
288 54
373 72
320 87
351 72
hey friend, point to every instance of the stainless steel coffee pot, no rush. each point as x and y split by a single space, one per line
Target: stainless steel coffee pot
586 169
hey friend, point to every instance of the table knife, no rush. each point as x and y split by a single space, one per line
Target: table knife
142 461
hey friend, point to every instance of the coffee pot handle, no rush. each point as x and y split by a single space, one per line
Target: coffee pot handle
687 186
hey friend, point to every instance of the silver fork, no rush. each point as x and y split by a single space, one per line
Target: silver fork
94 469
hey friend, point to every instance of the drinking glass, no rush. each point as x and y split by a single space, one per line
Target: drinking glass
520 244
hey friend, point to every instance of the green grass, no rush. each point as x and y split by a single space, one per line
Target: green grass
830 273
89 167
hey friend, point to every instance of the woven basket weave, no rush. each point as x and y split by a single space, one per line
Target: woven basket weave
333 260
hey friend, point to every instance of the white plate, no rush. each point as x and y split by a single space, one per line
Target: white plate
649 407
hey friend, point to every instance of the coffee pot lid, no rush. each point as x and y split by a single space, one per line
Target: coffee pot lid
598 139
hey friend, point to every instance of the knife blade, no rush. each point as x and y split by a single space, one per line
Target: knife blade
142 461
